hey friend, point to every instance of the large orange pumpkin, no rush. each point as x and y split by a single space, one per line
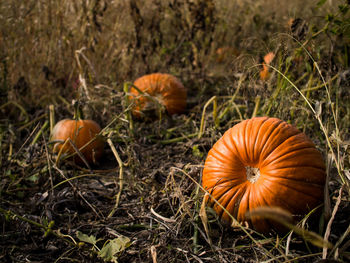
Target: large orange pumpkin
165 88
264 162
80 132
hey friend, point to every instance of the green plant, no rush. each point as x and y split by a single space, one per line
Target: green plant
110 249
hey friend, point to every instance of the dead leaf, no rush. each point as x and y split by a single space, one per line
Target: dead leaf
203 216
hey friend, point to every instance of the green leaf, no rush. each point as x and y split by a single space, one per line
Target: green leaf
196 151
85 238
34 178
343 9
321 3
329 17
112 247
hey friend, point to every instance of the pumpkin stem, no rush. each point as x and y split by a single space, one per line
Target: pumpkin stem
78 113
253 174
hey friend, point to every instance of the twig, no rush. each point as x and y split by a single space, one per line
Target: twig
154 254
74 178
165 219
31 122
257 104
128 111
30 135
40 132
48 161
330 222
321 85
117 157
52 117
341 239
214 101
81 78
179 139
204 218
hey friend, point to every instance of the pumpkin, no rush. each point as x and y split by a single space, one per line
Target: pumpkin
263 162
264 73
226 53
166 89
80 132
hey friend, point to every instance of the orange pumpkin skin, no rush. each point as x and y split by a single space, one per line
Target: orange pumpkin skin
165 88
264 73
80 132
292 171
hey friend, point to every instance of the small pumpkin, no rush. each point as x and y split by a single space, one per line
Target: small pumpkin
225 54
166 89
80 132
264 162
264 73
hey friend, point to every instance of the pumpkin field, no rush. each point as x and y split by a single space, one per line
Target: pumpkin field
175 131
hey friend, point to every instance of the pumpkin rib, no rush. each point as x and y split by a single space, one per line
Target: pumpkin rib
222 185
246 143
221 198
267 201
221 169
291 166
226 158
221 194
275 133
258 200
296 180
239 156
278 175
243 205
218 154
272 127
296 184
288 205
256 138
258 132
291 158
259 223
228 199
281 145
299 169
297 147
232 143
242 150
219 185
289 186
234 181
235 201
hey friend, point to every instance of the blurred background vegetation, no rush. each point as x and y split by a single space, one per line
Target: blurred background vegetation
121 40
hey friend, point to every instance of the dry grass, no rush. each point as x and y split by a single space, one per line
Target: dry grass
146 188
